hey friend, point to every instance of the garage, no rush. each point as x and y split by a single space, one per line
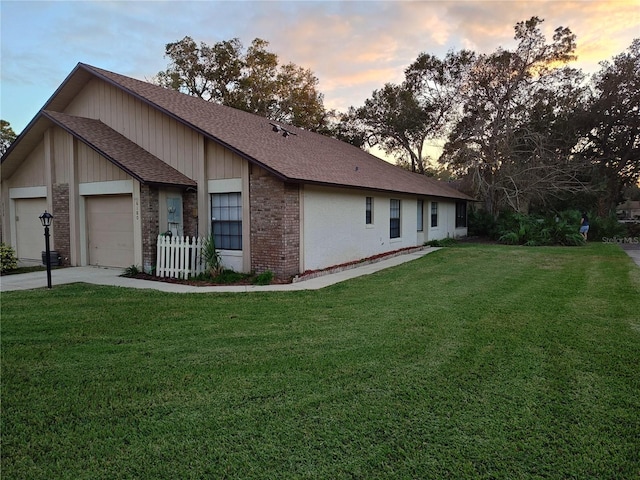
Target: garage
29 231
109 230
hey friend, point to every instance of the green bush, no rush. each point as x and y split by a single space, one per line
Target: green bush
481 224
8 259
131 271
230 276
533 230
212 257
443 242
605 227
264 278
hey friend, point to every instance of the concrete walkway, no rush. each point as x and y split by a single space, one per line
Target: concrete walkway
111 276
633 250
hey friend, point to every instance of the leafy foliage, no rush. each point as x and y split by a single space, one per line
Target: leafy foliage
403 119
131 271
8 259
7 136
481 223
212 257
264 278
251 80
533 230
610 127
606 226
516 133
443 242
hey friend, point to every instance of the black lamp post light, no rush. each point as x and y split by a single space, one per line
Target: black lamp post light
46 218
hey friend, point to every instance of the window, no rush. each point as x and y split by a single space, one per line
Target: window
434 214
420 215
461 214
174 215
394 219
369 211
226 220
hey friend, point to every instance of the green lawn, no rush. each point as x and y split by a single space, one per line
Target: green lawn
472 362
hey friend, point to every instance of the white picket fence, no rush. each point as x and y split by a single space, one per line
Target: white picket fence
179 257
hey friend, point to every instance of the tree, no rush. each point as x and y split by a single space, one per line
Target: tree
515 137
251 80
610 125
403 119
7 136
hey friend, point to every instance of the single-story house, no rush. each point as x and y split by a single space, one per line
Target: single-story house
118 161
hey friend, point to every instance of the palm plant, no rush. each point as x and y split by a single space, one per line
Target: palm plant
212 257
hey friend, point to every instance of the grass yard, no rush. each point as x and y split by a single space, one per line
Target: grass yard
477 361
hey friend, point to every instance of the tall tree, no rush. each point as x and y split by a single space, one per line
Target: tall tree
404 119
252 80
7 136
611 127
515 136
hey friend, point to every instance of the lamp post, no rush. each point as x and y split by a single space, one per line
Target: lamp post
46 219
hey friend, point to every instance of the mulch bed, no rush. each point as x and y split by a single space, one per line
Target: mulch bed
307 275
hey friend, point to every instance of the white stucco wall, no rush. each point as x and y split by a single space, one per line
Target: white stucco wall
446 221
334 229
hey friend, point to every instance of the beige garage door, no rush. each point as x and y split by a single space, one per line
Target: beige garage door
29 229
110 230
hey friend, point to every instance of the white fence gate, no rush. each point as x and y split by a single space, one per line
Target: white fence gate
179 257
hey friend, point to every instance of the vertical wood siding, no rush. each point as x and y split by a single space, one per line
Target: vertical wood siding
154 131
31 172
222 163
93 167
62 152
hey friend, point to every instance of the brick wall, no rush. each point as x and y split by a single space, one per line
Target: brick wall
61 226
275 224
149 210
190 212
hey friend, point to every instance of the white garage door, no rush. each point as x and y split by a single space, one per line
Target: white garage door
110 230
29 229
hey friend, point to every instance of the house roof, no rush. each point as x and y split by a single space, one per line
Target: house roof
303 157
133 159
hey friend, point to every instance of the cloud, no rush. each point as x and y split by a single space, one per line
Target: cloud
353 47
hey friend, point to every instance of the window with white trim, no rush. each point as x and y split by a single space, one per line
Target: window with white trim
226 220
434 214
369 211
394 218
420 215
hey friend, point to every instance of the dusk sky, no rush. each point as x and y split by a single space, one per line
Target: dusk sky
353 47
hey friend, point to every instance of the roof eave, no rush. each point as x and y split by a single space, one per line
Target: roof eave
104 154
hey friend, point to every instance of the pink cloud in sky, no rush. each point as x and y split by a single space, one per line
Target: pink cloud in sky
353 47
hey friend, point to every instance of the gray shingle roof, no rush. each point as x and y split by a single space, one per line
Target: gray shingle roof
305 157
130 157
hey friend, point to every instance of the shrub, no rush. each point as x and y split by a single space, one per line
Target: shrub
533 230
212 256
8 259
516 228
265 278
605 227
131 271
481 224
230 276
443 242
